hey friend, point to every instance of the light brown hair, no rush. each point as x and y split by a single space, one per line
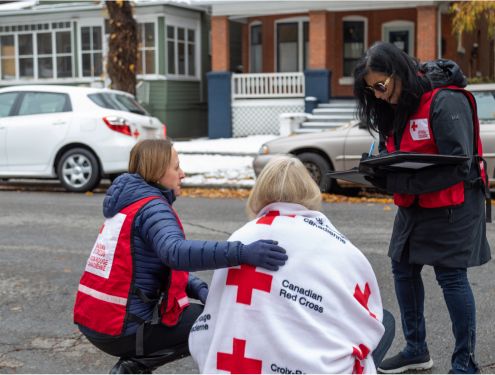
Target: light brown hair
150 158
284 179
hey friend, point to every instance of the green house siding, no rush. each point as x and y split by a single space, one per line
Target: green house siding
177 104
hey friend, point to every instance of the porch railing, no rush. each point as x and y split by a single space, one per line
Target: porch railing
267 85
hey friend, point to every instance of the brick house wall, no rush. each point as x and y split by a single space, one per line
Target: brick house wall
326 40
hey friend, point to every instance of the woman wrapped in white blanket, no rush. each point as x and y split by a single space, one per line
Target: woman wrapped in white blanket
320 313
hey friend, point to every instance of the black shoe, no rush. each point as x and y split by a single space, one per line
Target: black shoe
451 371
128 366
400 363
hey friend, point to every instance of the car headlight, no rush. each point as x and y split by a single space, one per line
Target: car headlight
264 150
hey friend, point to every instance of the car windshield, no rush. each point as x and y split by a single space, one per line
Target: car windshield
118 102
485 101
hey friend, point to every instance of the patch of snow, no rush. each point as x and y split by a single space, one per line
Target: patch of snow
244 145
220 169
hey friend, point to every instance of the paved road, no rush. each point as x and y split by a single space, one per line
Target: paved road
45 239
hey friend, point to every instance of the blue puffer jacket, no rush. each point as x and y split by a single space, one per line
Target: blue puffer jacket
159 243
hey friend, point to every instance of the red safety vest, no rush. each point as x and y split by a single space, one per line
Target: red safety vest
418 137
108 280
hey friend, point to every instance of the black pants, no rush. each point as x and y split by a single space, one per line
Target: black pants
387 338
157 338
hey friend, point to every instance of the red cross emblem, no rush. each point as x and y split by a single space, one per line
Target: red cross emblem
247 279
237 363
269 217
414 126
363 298
360 353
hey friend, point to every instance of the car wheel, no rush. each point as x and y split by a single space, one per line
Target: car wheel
318 167
78 170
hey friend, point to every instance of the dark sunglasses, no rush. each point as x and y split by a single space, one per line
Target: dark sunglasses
379 86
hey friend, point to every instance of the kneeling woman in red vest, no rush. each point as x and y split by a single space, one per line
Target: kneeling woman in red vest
132 300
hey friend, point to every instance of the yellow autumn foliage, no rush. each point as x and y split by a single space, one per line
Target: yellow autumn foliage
467 15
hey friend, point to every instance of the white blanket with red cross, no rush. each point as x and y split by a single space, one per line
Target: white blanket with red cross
320 313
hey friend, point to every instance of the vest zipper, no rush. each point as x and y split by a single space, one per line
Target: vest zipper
451 215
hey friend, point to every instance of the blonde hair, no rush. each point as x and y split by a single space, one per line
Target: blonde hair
284 179
150 158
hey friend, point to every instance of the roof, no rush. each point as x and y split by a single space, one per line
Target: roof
25 7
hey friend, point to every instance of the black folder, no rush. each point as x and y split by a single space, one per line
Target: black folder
409 160
395 161
352 175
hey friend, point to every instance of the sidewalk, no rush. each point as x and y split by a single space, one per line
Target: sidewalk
225 162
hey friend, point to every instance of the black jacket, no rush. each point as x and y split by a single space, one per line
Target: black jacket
449 236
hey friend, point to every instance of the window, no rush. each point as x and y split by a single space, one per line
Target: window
400 33
45 55
354 46
181 51
146 48
26 57
91 51
64 54
7 101
118 102
292 46
34 103
256 51
7 53
37 51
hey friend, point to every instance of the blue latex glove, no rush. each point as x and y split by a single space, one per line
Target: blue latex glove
202 294
263 253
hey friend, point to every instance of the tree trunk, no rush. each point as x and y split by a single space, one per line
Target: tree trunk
123 46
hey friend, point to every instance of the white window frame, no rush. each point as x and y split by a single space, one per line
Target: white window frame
186 24
44 55
154 21
349 80
64 54
104 51
33 55
27 29
252 24
300 40
10 57
399 25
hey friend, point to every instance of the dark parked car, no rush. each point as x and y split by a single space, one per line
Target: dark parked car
341 148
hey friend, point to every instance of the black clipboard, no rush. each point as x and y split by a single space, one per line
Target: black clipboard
352 175
412 161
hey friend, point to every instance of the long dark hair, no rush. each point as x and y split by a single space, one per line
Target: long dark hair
375 113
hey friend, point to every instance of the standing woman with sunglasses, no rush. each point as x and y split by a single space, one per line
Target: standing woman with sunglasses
440 219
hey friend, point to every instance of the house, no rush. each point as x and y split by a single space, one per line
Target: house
270 57
66 42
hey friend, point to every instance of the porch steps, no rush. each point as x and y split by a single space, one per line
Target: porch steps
329 116
339 103
321 124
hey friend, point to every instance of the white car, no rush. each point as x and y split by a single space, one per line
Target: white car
75 134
